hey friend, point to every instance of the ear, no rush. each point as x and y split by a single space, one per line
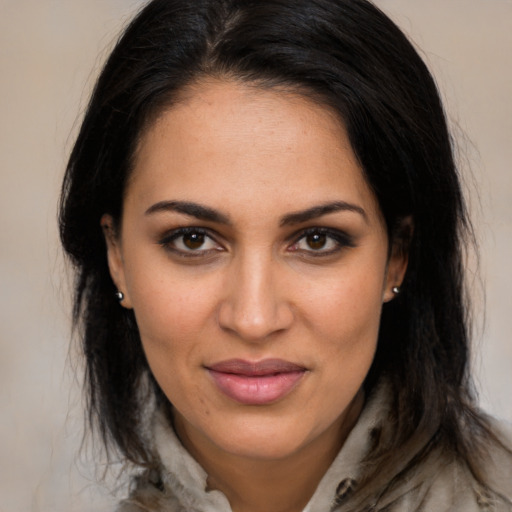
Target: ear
399 257
115 257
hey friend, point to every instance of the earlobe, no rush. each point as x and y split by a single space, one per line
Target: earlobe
115 259
399 258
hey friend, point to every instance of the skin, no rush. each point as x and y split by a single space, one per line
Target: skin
251 286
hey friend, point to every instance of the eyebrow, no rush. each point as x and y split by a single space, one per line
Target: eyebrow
209 214
320 210
191 209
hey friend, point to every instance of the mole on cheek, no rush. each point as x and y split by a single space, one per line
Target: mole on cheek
206 410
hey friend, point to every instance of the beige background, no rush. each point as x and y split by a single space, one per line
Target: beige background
47 51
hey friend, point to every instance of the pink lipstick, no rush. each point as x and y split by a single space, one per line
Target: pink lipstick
258 383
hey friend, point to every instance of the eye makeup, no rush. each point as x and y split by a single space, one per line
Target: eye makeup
321 242
199 242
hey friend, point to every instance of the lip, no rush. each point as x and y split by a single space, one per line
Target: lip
256 383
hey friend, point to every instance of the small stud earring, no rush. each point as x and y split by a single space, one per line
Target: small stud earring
119 296
396 290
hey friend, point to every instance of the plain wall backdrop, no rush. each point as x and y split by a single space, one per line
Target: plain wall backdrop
50 53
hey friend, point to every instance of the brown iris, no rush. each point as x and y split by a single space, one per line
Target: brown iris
193 240
316 240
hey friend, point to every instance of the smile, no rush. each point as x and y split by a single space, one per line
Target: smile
259 383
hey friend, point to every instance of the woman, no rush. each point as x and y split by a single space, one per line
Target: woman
267 226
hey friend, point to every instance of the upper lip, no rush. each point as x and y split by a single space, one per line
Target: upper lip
255 369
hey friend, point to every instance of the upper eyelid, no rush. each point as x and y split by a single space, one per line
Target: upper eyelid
174 234
333 232
177 232
338 235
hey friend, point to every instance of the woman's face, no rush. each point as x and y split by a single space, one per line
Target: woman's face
255 258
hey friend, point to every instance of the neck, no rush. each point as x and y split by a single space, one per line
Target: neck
282 485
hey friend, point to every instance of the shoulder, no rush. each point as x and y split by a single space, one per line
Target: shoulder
447 484
498 463
455 488
444 483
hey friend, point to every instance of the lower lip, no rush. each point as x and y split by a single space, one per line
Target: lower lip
256 390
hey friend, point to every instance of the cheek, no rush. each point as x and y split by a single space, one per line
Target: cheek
170 307
172 315
347 309
345 319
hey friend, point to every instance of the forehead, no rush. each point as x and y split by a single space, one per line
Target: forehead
238 145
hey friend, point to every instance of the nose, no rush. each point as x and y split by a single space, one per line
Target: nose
255 303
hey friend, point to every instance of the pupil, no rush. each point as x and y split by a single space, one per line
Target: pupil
316 241
193 240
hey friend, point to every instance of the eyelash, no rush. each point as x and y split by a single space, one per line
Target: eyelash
341 240
168 240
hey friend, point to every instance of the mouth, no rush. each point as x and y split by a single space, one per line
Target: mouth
256 383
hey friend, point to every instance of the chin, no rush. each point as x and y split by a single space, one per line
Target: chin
262 437
266 446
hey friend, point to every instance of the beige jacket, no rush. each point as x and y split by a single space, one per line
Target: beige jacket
436 485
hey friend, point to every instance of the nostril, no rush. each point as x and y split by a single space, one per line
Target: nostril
254 324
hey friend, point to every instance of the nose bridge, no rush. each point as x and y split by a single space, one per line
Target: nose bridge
254 306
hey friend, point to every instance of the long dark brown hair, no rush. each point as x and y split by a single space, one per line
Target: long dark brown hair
347 55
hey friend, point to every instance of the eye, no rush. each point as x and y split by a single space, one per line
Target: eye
190 242
321 242
316 242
